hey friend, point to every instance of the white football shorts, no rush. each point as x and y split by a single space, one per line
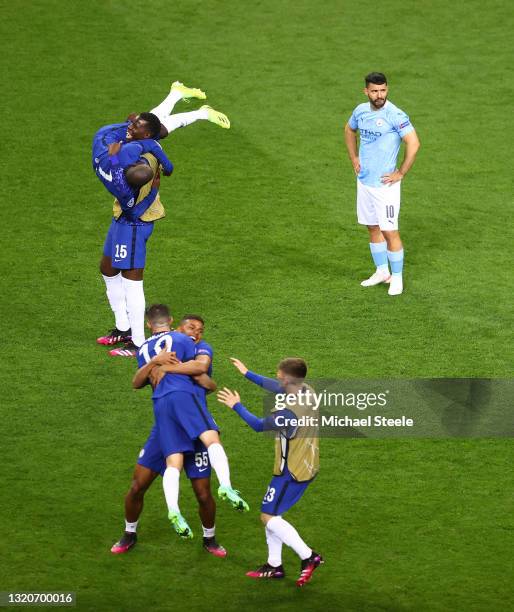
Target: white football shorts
378 205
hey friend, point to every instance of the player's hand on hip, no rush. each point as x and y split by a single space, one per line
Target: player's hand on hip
356 165
392 177
239 365
114 148
228 397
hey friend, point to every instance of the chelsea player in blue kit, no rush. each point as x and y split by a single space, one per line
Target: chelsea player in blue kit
382 127
180 418
124 255
296 461
151 461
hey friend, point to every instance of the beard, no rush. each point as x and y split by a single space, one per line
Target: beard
378 103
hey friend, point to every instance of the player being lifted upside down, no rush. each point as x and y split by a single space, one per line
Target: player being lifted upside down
139 156
382 127
296 462
181 419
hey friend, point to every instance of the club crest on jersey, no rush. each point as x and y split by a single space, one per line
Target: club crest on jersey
380 122
130 203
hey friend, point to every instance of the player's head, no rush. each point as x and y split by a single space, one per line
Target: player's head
376 89
291 370
145 125
158 317
192 325
138 174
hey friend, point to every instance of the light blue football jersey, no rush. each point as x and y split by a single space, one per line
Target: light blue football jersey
381 132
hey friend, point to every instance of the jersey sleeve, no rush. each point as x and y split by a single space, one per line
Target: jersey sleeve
352 121
270 384
130 153
204 349
156 150
401 123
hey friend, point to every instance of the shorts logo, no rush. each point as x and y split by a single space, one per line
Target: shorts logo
380 122
141 453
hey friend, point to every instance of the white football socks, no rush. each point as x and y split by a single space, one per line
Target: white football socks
135 300
219 462
274 548
170 484
288 534
208 532
173 122
166 106
131 527
116 297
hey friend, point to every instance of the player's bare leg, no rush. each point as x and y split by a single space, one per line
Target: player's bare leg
142 479
378 248
395 256
207 512
170 484
116 296
219 462
132 283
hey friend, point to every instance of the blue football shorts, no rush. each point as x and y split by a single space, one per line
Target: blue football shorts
283 493
126 244
180 419
196 463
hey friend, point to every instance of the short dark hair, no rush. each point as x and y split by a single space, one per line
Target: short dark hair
293 366
377 78
153 123
191 317
157 313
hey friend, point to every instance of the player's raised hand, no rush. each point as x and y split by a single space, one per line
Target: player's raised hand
391 178
228 397
114 148
239 365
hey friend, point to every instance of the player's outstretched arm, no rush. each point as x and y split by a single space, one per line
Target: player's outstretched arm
269 384
233 401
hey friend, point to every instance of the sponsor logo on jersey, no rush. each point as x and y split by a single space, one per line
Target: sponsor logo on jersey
107 177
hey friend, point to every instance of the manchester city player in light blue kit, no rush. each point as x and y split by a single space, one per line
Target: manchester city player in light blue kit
382 128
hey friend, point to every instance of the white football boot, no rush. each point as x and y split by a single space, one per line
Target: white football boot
396 286
376 278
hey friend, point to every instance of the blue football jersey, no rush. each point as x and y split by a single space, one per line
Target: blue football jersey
117 132
381 132
203 348
183 346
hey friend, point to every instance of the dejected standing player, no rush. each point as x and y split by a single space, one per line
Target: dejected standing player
382 127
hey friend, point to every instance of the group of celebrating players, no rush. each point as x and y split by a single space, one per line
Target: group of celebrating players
128 159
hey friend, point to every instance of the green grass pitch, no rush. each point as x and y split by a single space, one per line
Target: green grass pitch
261 239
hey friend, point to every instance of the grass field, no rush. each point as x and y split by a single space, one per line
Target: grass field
261 239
